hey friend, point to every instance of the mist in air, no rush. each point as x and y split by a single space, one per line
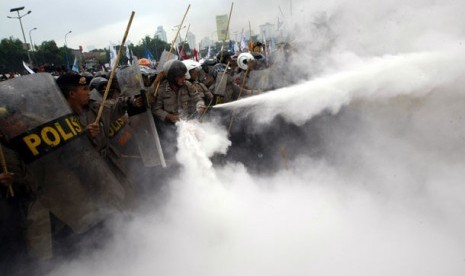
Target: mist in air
358 169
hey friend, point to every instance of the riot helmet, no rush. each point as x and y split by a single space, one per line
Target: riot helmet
175 69
98 83
190 65
243 60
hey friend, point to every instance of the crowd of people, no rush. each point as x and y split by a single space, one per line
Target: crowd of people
71 168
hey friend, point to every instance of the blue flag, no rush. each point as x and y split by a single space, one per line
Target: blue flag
75 65
147 54
231 46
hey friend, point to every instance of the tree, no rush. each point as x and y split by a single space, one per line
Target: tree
11 55
154 45
49 53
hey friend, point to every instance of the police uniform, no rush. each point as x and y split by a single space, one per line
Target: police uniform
113 120
94 191
169 101
198 87
231 92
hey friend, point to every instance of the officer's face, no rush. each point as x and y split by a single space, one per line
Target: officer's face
180 81
194 74
208 80
81 95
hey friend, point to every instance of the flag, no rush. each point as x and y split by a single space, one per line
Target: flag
177 53
129 55
112 56
75 65
196 55
231 47
236 48
27 68
183 54
244 44
147 54
209 52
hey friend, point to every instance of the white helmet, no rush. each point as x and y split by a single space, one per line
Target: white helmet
191 64
243 60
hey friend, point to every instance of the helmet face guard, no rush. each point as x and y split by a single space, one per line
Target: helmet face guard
98 83
191 65
243 60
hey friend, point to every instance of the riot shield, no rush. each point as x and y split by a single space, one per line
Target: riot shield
129 79
164 59
220 88
260 80
77 186
143 125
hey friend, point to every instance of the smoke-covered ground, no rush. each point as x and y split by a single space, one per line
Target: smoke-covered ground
357 170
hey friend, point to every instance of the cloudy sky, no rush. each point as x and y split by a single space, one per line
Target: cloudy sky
96 23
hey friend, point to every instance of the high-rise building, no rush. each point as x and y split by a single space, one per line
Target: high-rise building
221 27
191 40
161 34
205 42
267 31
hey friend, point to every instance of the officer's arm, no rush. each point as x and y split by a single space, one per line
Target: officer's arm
157 109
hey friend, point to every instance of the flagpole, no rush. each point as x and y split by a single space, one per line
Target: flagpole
227 31
171 49
5 170
113 71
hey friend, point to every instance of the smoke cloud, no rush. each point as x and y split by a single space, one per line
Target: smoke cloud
380 192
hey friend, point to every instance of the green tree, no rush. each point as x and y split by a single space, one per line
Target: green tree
154 45
49 53
11 55
102 59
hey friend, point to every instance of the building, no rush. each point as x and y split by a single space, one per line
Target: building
267 31
221 27
191 40
161 34
205 42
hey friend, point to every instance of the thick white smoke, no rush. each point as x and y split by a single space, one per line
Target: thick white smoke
383 196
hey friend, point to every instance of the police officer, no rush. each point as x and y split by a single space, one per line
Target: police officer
172 104
113 120
194 70
75 88
173 96
225 89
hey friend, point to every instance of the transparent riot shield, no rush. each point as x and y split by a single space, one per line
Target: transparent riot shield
260 80
219 92
77 186
164 59
143 125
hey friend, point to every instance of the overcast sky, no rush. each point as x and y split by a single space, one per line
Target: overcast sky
96 23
